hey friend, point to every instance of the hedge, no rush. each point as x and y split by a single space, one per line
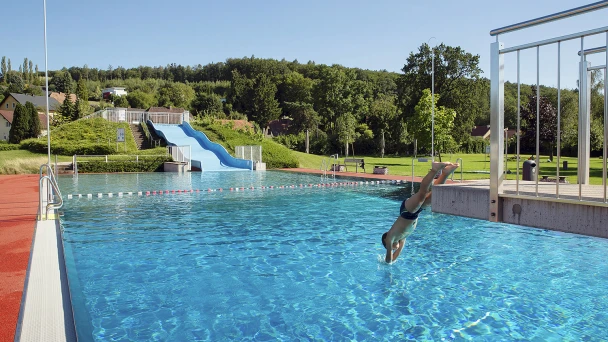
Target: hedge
144 165
40 146
9 147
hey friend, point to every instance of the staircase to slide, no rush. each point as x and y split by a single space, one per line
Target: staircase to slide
205 154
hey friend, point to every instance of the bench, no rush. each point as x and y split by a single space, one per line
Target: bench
547 178
357 162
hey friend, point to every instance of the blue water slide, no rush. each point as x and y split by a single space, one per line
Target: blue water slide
205 154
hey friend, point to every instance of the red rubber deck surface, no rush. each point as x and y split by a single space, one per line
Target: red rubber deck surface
18 209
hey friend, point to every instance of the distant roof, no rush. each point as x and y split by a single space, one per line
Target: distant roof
8 115
280 126
37 101
165 110
60 97
480 131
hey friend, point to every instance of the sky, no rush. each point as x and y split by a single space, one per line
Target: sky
372 35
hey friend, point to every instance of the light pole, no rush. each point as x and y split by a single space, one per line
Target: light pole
432 101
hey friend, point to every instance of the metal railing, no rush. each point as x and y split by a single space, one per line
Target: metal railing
326 162
125 115
497 104
459 167
48 186
182 154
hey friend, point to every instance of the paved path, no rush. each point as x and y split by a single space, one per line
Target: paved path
359 175
18 209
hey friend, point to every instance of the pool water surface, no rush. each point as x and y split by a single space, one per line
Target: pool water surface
306 264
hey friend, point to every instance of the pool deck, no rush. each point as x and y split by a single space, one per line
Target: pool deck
358 175
34 294
18 209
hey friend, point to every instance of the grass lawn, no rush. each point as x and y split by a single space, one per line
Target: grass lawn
474 166
22 161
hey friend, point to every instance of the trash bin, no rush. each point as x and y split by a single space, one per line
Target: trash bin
529 172
565 165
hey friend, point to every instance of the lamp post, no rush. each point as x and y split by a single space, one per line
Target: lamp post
432 101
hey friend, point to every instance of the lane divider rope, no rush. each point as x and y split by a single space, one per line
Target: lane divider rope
233 189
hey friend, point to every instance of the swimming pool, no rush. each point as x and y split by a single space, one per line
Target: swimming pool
306 264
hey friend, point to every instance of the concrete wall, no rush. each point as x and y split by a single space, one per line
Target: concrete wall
175 167
565 217
471 200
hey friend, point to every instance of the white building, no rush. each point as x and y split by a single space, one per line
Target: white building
116 91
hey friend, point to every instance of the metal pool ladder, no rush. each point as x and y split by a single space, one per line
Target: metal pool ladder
325 164
48 185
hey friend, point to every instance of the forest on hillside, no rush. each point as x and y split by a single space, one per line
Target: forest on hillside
366 109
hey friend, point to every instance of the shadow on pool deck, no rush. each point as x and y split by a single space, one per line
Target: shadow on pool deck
18 209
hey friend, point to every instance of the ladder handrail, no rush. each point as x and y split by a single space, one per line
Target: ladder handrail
52 191
460 166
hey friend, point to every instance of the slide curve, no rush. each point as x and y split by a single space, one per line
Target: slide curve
206 155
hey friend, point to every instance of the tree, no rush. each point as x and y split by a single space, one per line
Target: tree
140 99
36 78
264 107
547 116
421 124
332 94
67 109
382 118
346 125
62 81
19 128
207 104
25 70
174 94
456 80
82 92
3 69
304 117
33 121
120 101
15 83
295 88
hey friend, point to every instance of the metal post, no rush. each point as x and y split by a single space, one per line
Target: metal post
559 101
433 107
584 125
605 175
537 116
497 112
46 80
518 122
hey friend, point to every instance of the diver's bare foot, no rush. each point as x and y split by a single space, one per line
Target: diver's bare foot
439 166
450 168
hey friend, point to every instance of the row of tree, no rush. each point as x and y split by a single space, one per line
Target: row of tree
342 105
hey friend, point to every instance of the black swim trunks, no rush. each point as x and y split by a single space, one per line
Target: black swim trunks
407 215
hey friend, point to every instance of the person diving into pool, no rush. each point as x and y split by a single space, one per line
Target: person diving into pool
406 222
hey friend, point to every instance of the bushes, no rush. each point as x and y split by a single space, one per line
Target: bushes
8 147
67 149
474 145
150 164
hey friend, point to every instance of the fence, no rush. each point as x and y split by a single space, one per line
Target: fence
136 117
181 154
249 152
497 104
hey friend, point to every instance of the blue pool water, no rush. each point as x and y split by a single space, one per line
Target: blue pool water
306 264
